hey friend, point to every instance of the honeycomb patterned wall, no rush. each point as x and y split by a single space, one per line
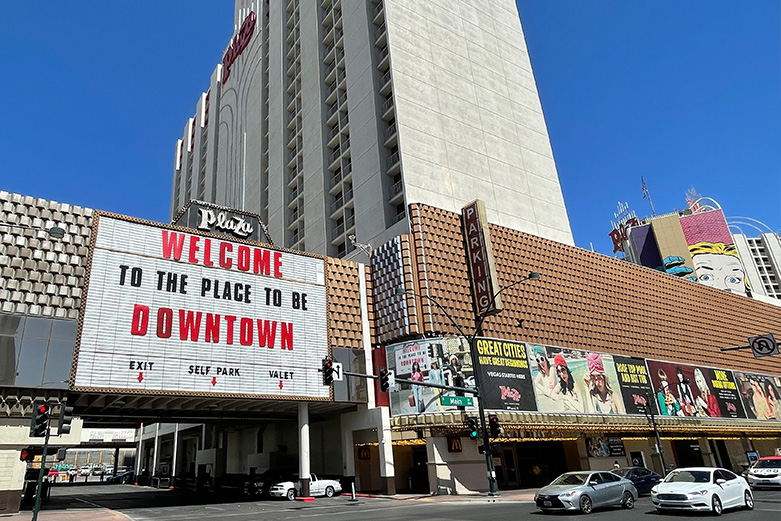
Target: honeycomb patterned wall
40 275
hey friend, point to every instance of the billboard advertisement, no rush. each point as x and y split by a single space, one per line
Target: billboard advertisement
505 379
760 395
444 361
634 383
571 380
173 312
684 390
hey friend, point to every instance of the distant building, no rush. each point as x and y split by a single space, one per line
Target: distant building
696 244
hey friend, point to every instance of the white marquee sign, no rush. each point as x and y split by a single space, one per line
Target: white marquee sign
181 313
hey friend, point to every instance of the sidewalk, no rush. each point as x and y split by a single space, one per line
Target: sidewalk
86 514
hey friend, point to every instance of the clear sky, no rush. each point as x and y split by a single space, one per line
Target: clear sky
96 93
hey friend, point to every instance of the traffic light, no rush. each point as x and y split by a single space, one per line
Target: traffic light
29 453
328 371
39 424
494 428
474 430
385 377
66 417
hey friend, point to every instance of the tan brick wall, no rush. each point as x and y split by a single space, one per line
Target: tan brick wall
587 300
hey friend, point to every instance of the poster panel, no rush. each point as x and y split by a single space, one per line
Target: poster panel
571 380
444 361
173 312
605 447
685 390
505 379
634 383
760 395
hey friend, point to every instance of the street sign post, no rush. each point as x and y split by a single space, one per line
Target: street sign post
338 373
763 345
461 401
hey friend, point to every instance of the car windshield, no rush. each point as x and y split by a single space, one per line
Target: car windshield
688 476
570 479
768 464
621 472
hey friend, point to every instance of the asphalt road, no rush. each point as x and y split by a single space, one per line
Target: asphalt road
143 504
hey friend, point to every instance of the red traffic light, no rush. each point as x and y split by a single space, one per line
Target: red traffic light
43 408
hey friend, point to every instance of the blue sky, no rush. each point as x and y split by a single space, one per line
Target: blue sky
95 94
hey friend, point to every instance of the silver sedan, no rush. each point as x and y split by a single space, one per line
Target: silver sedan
585 491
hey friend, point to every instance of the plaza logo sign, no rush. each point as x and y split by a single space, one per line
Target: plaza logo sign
238 44
223 221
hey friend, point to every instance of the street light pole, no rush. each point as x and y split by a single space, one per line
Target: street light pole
471 340
649 411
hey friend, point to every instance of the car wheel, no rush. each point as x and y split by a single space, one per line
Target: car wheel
628 501
748 500
291 494
716 506
586 506
329 491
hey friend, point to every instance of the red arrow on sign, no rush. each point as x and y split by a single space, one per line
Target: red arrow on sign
214 381
140 377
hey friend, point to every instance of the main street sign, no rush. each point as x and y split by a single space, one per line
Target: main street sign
167 311
460 401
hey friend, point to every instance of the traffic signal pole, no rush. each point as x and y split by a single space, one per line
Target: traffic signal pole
39 488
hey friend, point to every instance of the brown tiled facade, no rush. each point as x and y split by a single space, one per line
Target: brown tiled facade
584 300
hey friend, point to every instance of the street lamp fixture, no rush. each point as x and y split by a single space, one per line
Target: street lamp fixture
55 232
491 474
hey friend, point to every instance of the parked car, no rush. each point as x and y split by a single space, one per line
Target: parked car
585 491
259 485
643 478
85 470
702 488
97 471
126 476
54 473
73 472
317 487
765 472
108 470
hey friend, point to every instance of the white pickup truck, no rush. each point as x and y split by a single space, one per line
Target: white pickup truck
317 487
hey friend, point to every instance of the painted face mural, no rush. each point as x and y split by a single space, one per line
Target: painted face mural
717 265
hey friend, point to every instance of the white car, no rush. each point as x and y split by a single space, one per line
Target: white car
85 470
317 487
702 488
766 472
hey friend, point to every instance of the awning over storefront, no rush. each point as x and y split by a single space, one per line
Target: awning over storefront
538 425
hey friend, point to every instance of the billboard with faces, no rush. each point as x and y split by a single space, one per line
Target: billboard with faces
443 361
688 391
760 395
574 381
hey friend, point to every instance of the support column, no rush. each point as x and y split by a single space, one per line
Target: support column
116 461
348 455
385 440
366 339
139 454
303 447
176 455
155 455
708 457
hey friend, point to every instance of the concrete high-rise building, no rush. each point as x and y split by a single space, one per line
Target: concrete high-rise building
329 117
762 258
